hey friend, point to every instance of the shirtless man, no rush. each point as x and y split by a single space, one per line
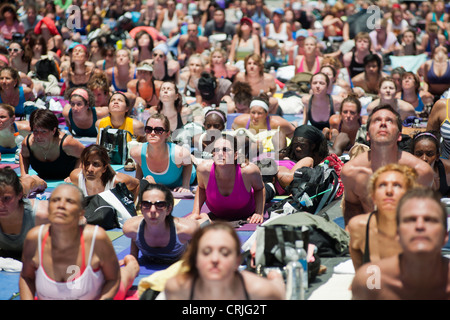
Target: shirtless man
254 75
201 42
370 78
420 271
383 131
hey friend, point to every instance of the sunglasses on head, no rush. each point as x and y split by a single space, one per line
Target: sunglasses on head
147 205
158 130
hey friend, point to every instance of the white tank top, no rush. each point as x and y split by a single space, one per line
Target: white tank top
280 36
168 25
82 184
87 286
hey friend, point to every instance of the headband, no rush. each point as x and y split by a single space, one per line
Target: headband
83 46
259 103
4 59
218 113
82 93
426 134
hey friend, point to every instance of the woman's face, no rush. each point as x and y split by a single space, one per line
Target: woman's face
158 56
319 84
94 47
329 73
78 54
7 82
42 136
167 92
157 134
101 97
9 200
426 150
93 168
154 207
195 67
65 206
78 105
302 148
118 104
5 120
258 115
389 188
15 51
217 258
122 58
309 46
217 58
144 41
387 90
408 38
408 82
223 152
252 67
362 44
213 122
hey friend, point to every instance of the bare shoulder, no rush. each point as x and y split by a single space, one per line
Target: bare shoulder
260 288
250 169
178 287
357 225
205 166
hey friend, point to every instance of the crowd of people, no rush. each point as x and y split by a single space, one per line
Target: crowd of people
205 89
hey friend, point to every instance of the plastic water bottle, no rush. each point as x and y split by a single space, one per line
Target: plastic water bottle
302 259
140 112
295 289
223 106
272 72
18 140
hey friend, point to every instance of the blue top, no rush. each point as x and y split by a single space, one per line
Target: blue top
168 254
172 177
19 109
113 82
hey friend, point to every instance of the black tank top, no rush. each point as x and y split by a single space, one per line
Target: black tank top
366 255
320 124
53 170
443 186
355 67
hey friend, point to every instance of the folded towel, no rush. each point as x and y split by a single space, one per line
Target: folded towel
345 267
10 265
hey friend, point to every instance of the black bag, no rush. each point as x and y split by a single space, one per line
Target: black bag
115 141
318 184
110 209
275 245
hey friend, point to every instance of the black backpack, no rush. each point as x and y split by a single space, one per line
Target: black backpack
45 67
311 189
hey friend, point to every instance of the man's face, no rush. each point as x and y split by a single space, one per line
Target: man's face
219 17
383 127
421 226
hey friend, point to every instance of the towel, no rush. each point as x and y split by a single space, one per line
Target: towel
158 279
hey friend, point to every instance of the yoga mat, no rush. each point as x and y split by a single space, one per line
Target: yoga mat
8 157
12 165
113 235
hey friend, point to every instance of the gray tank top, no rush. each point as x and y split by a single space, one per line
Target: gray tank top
14 242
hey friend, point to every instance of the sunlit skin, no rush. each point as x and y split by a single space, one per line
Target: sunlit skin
93 168
9 201
389 188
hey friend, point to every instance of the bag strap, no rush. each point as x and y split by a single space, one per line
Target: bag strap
280 239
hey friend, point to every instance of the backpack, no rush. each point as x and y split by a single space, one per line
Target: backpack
115 142
44 67
311 189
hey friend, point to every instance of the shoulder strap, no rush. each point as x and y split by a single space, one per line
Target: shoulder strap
366 256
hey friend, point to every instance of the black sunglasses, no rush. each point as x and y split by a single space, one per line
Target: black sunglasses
158 130
147 205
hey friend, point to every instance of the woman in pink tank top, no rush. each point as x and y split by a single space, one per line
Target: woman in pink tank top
230 190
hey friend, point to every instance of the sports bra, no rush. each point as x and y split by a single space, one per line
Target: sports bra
161 255
89 132
302 69
85 286
19 108
247 296
434 79
366 255
172 177
320 124
420 105
113 82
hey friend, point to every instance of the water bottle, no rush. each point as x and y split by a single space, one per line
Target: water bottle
272 72
140 112
18 140
223 106
302 259
295 289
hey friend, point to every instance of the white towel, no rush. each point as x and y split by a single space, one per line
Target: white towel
10 265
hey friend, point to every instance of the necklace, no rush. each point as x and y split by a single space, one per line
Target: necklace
46 152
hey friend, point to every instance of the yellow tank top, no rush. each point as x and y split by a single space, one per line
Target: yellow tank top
126 125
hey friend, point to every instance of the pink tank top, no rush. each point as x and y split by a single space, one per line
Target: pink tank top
87 286
301 68
240 204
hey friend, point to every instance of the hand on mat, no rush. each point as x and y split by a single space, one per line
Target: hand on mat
255 218
181 189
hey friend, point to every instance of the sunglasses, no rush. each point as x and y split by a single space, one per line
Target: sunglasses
147 205
158 130
159 55
224 149
13 49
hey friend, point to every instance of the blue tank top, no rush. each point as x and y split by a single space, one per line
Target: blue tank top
19 108
163 255
113 82
172 176
434 79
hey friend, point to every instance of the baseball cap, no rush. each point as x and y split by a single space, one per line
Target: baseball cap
279 11
144 67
